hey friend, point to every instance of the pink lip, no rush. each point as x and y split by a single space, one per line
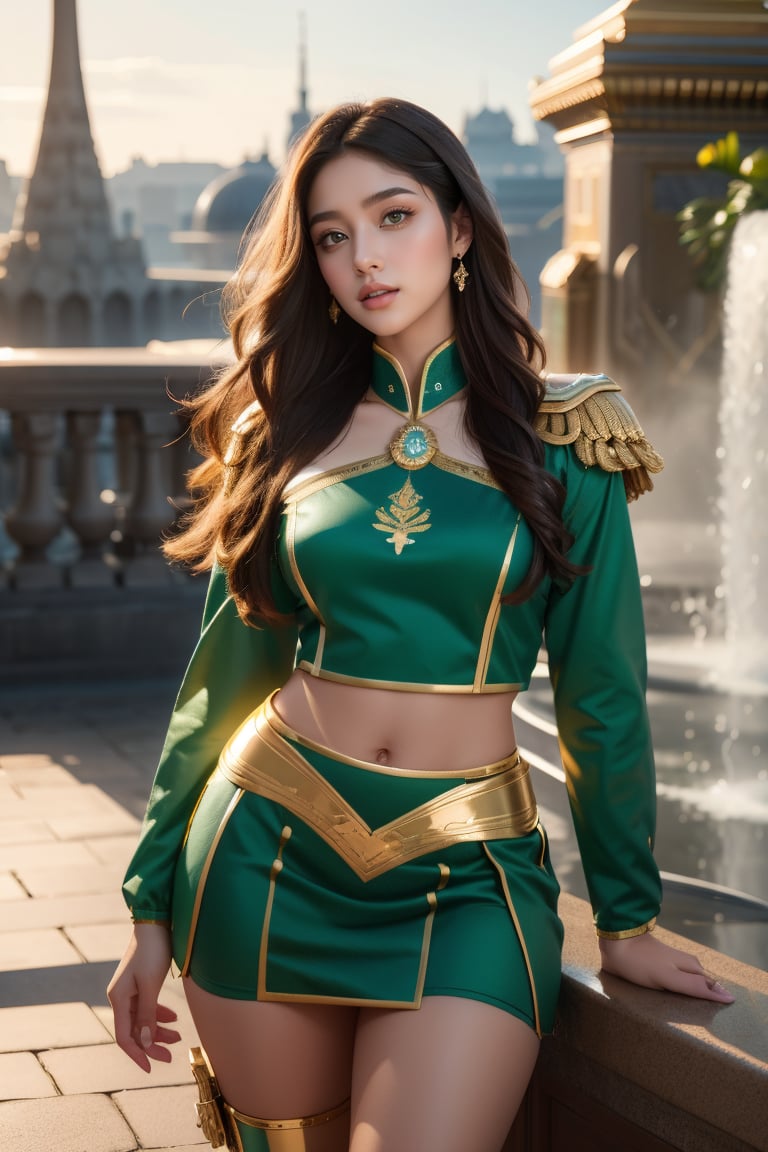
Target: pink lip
364 295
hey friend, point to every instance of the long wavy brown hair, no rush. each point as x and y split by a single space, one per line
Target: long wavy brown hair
308 375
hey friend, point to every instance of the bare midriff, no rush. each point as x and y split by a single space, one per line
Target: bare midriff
418 731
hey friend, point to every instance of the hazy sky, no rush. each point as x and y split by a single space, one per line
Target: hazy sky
215 79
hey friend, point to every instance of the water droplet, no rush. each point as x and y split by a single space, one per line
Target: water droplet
690 733
646 581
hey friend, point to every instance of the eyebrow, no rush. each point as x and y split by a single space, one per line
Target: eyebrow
369 201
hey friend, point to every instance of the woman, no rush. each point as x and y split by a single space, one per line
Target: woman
359 897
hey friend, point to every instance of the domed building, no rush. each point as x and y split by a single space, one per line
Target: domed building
223 212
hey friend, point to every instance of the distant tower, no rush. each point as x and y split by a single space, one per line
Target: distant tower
66 278
301 118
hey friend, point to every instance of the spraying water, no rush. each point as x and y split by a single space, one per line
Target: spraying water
744 453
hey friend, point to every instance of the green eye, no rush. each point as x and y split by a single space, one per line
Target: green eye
330 239
397 216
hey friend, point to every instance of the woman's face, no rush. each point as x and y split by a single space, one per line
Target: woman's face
384 249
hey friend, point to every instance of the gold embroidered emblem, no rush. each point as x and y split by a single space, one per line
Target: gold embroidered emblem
403 518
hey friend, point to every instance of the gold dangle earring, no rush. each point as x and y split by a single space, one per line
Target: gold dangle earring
334 311
461 275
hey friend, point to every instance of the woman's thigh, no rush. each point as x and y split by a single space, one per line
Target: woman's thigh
450 1075
273 1060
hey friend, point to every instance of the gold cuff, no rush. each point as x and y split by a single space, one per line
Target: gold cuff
628 933
289 1125
145 920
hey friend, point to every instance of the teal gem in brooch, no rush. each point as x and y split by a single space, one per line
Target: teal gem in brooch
413 446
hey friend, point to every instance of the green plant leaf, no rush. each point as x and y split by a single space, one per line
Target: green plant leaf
724 155
754 167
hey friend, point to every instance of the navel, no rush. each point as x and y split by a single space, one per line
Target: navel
382 756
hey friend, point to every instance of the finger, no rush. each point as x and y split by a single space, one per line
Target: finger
167 1036
166 1014
123 1008
698 985
157 1052
145 1021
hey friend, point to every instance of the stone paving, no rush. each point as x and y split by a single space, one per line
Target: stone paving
76 762
75 768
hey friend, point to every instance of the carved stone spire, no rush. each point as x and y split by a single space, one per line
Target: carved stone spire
65 203
66 277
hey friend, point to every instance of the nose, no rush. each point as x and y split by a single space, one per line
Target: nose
366 255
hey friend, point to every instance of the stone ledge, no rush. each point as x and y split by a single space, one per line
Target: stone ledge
691 1074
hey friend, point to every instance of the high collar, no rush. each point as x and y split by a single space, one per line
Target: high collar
442 379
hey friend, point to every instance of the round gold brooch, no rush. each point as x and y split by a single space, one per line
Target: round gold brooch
413 446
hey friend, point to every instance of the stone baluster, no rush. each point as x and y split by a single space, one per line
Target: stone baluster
36 519
88 515
150 512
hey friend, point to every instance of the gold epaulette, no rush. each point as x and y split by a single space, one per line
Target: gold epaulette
589 412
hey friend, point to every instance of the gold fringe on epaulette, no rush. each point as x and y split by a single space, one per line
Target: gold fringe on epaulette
604 432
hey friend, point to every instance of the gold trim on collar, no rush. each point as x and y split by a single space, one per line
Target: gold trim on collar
258 759
414 410
428 364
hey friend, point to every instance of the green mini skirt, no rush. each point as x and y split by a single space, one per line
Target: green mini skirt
311 877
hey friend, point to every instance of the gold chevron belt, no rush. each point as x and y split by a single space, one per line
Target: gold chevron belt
499 804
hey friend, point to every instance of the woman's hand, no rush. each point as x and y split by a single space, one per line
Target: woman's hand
647 961
133 993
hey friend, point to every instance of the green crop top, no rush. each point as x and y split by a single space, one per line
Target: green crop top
394 573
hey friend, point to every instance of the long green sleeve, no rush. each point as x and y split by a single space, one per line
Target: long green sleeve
595 639
233 668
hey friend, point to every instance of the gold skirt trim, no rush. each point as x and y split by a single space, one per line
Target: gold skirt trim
498 805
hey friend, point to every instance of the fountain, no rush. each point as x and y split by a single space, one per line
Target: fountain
744 455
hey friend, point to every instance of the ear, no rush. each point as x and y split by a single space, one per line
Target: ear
461 230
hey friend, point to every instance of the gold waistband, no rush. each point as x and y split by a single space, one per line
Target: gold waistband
258 759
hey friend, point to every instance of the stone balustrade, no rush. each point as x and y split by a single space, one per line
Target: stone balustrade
93 465
92 474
